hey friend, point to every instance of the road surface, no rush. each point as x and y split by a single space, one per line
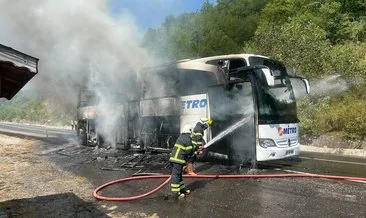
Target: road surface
288 197
40 131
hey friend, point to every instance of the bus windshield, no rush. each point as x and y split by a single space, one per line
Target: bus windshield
276 104
276 67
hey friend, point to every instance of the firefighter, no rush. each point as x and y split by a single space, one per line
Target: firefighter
182 150
198 142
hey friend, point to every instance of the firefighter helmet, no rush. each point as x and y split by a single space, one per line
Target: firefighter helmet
205 121
187 129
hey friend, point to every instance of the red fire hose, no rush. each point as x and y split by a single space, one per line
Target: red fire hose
100 197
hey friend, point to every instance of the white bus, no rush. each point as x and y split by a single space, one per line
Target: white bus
226 89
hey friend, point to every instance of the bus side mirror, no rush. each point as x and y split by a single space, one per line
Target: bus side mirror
307 85
300 86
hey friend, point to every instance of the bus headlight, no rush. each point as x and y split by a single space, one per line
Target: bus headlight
265 143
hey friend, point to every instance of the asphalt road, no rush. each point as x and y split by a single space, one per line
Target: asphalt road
35 131
287 197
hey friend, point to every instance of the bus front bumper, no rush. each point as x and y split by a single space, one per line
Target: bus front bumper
275 153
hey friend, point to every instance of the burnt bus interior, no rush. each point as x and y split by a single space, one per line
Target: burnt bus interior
86 126
159 116
157 111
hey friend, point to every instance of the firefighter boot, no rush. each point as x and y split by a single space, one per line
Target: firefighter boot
185 191
190 169
180 196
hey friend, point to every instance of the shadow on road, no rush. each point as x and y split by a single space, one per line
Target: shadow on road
58 205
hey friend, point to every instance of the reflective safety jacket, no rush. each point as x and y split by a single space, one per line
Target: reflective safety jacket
197 136
182 149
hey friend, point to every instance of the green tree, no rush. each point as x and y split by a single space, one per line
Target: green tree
216 29
173 39
342 20
315 38
302 46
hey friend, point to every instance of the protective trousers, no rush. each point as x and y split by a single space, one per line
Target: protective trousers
177 183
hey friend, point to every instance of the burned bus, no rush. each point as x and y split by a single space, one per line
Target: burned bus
224 88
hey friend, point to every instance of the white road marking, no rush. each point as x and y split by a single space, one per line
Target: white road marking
334 161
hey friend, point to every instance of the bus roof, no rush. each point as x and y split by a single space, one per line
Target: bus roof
229 56
201 63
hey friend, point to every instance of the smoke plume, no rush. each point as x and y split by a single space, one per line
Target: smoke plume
74 41
78 43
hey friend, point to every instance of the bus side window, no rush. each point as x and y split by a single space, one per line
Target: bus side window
192 82
236 63
160 83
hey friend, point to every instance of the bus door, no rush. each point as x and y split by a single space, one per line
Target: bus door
228 105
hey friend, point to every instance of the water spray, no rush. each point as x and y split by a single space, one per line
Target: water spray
229 130
330 85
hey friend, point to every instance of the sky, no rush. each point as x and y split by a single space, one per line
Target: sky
151 13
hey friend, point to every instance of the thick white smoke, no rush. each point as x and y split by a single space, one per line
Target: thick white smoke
78 43
71 38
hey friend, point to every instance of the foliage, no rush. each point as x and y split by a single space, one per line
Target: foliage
33 110
342 20
174 39
348 59
217 29
345 113
303 46
317 39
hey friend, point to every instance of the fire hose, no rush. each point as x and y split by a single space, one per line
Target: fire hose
237 176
